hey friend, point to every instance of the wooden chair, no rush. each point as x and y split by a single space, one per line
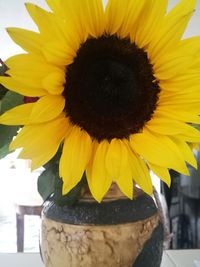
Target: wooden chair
22 210
27 201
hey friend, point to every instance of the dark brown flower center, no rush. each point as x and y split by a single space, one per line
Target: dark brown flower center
110 91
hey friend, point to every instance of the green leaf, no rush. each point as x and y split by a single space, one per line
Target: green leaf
46 183
50 182
53 164
10 100
4 151
70 198
3 91
6 135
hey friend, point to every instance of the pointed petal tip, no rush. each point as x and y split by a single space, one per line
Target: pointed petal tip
194 164
149 192
168 184
8 29
131 197
195 167
11 29
33 167
29 7
27 4
12 147
98 199
64 190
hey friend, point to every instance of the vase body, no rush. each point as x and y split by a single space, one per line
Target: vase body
116 233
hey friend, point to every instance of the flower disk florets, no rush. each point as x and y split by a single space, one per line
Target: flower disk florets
108 85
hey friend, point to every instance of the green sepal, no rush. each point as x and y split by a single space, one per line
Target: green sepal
50 184
6 135
46 183
69 199
10 100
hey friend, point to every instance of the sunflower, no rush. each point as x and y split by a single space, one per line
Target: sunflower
117 89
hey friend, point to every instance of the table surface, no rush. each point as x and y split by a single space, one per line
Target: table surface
171 258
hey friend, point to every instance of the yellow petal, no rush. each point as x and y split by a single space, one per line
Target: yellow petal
192 107
117 164
40 142
161 172
75 157
115 14
188 43
186 151
94 17
24 79
48 24
194 146
68 31
54 5
180 85
99 180
28 40
29 69
21 88
140 172
54 82
179 60
68 34
29 63
158 150
172 66
59 54
150 21
54 26
178 98
17 116
132 11
113 158
192 135
73 13
42 18
184 116
125 183
167 126
170 33
47 108
187 138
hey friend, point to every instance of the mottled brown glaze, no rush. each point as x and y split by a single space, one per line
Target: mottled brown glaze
115 233
65 245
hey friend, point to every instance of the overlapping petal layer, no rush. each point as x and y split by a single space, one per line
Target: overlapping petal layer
161 145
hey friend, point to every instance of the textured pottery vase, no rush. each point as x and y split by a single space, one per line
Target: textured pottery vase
116 233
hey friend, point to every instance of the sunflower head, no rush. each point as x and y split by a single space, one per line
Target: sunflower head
116 92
